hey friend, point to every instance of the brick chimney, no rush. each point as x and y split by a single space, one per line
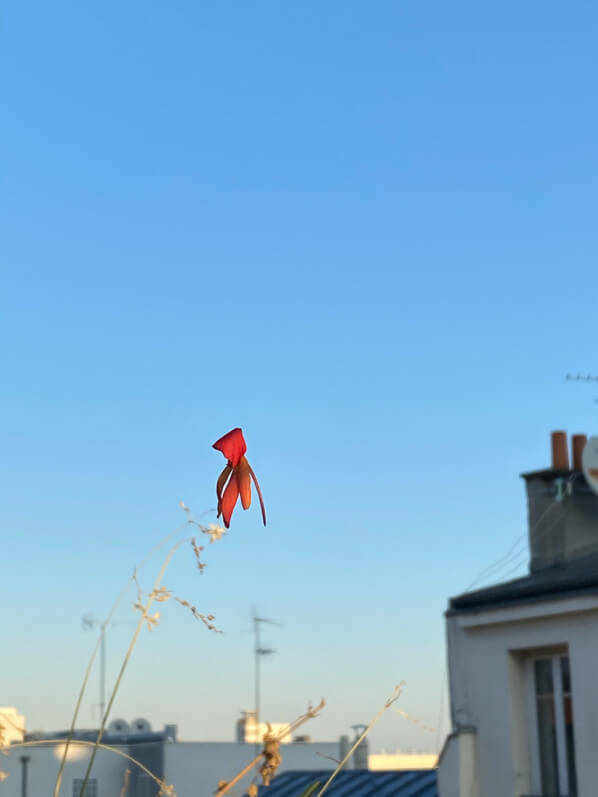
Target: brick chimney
562 508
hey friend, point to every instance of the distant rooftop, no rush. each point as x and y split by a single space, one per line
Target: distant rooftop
356 783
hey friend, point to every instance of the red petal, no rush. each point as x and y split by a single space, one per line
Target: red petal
229 499
259 492
220 485
244 482
232 445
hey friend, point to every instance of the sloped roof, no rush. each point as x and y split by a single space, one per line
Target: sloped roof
356 783
579 577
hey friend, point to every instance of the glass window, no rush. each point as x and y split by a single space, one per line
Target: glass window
568 718
549 765
91 790
554 715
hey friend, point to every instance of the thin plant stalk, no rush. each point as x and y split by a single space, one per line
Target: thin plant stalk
134 638
111 614
82 691
161 783
310 714
395 696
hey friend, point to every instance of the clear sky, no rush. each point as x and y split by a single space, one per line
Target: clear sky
363 231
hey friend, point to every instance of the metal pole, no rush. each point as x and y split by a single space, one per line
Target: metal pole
259 651
256 626
24 759
103 673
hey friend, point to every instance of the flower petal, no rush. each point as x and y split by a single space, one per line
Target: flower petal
232 445
244 482
220 485
222 479
229 499
259 492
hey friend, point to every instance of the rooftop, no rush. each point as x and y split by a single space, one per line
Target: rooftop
356 783
568 580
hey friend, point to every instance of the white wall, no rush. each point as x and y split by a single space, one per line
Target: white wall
43 768
487 690
194 768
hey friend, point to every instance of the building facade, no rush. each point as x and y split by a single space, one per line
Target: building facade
194 769
523 656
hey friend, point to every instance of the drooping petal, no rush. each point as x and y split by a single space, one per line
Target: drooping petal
222 479
244 482
232 445
229 499
259 492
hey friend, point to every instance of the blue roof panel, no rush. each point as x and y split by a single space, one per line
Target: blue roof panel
356 783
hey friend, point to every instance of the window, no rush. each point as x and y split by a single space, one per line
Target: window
553 709
91 790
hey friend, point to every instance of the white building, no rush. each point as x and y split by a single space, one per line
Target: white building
193 768
523 656
402 761
12 725
248 731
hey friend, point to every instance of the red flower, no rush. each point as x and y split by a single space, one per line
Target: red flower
235 479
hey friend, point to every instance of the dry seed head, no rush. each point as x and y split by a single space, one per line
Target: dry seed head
206 619
252 790
214 531
271 755
197 549
3 775
161 595
151 620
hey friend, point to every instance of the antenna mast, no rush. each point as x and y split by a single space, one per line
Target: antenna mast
582 378
259 650
88 622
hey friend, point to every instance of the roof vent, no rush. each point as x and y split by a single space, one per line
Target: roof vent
141 725
119 726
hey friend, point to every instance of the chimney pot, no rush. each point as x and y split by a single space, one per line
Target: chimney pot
560 453
578 442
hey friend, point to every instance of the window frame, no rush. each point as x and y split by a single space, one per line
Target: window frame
554 655
91 790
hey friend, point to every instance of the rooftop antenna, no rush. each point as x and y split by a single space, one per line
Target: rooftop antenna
89 622
258 651
582 378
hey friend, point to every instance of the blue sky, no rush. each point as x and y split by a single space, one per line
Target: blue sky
364 232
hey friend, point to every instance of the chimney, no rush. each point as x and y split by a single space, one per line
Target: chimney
560 454
344 745
562 508
361 752
578 442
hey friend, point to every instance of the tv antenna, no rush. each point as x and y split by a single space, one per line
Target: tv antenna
582 378
258 651
89 622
